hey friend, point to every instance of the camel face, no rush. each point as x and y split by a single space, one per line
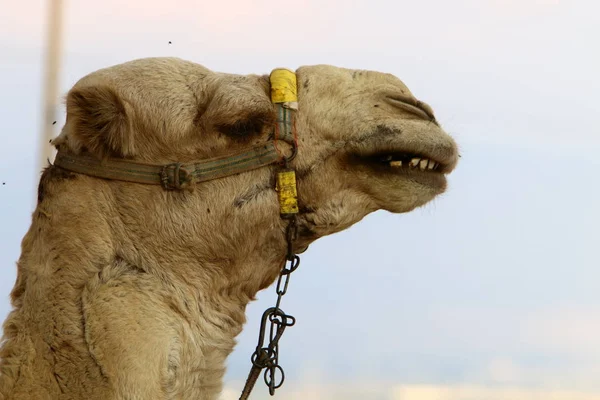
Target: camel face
366 144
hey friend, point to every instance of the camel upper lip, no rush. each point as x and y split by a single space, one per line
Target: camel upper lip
413 140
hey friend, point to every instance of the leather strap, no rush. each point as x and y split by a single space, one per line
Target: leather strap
172 176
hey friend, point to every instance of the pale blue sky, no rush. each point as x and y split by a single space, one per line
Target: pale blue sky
494 284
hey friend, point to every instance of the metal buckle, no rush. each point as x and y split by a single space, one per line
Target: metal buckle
172 176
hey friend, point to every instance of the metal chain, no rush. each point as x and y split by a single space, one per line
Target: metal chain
276 320
268 356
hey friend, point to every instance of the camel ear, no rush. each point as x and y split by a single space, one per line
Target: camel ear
100 122
241 111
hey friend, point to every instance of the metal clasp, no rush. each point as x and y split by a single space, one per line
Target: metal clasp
172 176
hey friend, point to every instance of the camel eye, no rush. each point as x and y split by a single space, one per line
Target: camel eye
246 128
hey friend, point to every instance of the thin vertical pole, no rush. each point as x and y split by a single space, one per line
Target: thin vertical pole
51 83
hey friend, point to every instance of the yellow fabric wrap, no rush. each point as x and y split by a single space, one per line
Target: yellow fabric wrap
283 86
286 190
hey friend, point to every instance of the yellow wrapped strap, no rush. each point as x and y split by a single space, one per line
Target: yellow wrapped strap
284 93
286 190
283 86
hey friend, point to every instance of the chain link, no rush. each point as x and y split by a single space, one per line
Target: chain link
274 317
276 320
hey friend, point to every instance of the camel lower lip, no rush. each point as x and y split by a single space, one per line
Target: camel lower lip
414 170
427 178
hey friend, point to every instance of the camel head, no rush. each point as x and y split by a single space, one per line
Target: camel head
365 142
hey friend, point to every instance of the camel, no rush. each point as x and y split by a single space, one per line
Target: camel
129 291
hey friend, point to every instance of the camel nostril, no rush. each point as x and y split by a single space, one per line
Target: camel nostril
412 105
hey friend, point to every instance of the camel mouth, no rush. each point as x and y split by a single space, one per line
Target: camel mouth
406 161
391 150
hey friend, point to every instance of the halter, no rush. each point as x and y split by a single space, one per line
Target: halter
176 175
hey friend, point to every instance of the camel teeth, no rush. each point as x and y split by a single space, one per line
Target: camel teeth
424 164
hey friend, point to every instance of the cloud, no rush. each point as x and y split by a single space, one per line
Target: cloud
375 391
564 330
469 392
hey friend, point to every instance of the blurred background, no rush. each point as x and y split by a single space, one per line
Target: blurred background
489 292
